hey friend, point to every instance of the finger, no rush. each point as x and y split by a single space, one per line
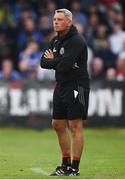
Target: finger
47 53
48 58
45 56
50 51
47 50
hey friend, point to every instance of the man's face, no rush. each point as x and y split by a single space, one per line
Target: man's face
60 22
7 68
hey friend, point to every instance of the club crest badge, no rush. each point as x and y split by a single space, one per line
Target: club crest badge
62 51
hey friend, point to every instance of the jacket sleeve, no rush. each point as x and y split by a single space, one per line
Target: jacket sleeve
71 55
47 63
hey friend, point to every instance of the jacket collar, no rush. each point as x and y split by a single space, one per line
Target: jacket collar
72 31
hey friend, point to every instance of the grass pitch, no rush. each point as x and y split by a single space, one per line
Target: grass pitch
28 154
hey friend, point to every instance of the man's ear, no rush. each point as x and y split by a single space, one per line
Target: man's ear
69 23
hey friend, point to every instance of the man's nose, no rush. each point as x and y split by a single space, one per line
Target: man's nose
56 22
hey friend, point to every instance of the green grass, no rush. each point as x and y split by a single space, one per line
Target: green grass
21 150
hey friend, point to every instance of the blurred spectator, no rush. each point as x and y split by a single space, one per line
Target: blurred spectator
97 69
21 9
122 55
6 16
111 74
46 40
114 14
6 46
27 13
118 13
50 8
45 74
105 53
29 60
87 3
46 18
80 28
120 68
29 32
100 21
45 24
78 16
63 4
90 6
107 3
100 33
8 72
117 38
93 22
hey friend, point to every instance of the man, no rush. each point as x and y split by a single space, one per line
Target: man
8 72
67 54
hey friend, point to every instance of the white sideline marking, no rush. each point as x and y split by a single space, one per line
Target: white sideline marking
40 171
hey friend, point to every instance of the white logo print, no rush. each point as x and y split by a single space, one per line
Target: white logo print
75 93
75 66
54 49
62 51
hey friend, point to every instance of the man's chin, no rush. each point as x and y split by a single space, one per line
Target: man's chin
57 30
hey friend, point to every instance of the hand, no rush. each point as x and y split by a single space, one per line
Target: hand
49 54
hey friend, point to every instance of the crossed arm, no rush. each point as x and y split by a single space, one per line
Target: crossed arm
65 62
48 61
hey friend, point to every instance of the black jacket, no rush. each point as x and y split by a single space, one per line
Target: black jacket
70 62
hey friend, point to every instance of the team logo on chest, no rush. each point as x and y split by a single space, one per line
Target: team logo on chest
62 50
